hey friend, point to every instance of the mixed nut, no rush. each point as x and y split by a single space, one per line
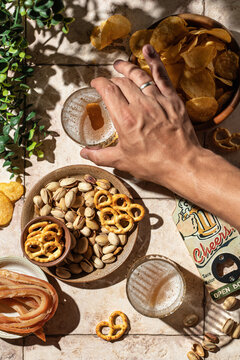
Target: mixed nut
71 200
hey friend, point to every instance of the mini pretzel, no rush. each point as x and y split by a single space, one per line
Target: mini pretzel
116 330
114 223
34 233
224 140
32 252
42 250
37 226
53 228
127 206
50 235
100 205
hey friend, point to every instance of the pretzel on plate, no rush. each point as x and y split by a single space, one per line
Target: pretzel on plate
224 140
111 220
115 330
102 204
127 206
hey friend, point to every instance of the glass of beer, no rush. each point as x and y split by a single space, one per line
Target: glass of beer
86 120
155 286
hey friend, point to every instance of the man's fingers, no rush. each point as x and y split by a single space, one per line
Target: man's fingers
159 72
113 99
103 157
128 88
137 75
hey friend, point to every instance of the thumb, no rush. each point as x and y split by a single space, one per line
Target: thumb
102 157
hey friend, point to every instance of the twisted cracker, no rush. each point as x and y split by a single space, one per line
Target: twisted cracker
116 330
100 205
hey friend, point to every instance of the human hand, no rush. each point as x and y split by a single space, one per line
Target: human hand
156 139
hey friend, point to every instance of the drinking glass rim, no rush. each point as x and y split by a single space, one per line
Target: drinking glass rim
113 136
151 257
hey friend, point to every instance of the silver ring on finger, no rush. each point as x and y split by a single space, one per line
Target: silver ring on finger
143 86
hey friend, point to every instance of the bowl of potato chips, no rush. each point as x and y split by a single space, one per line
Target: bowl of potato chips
202 60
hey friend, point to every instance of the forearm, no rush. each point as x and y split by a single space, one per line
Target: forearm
212 183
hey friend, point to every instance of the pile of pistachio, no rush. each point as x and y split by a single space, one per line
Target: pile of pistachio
71 200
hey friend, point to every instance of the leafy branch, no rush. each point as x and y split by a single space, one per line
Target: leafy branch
19 126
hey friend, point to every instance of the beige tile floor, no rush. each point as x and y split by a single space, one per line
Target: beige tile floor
63 64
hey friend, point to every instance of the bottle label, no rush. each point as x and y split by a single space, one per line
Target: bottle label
213 245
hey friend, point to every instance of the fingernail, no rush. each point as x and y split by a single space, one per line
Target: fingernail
84 155
117 62
149 50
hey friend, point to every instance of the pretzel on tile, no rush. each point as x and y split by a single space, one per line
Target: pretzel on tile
115 330
100 205
224 140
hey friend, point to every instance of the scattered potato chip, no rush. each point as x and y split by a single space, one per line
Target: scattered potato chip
199 56
13 190
174 72
138 40
212 41
227 64
115 27
167 32
6 210
201 109
221 34
224 81
223 99
197 83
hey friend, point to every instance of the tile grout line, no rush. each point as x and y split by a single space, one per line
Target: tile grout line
204 7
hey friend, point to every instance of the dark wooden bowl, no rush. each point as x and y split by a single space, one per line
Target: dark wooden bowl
207 22
74 170
66 238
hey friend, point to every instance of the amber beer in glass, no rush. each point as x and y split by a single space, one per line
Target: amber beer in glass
155 286
80 127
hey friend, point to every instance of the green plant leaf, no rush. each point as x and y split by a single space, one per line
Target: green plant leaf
31 115
2 77
32 146
65 29
6 129
40 154
6 163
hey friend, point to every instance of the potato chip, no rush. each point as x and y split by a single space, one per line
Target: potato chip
174 72
221 34
219 92
212 41
171 54
115 27
199 56
138 40
144 66
197 83
227 64
224 81
6 210
201 109
167 32
13 190
223 99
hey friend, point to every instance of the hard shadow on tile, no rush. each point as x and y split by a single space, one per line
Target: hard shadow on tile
145 185
192 304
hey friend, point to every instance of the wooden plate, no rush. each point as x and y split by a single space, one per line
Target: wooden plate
70 171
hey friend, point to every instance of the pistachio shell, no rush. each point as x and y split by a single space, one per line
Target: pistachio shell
45 210
78 223
45 196
88 253
59 193
113 239
82 246
89 213
108 258
79 201
113 191
73 241
62 205
84 186
63 273
75 268
89 202
52 186
90 179
103 184
97 250
38 201
97 263
58 213
86 231
109 249
70 197
70 216
77 258
101 239
123 239
92 238
92 224
68 182
86 266
81 210
104 230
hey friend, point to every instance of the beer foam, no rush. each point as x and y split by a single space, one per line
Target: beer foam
77 123
155 288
